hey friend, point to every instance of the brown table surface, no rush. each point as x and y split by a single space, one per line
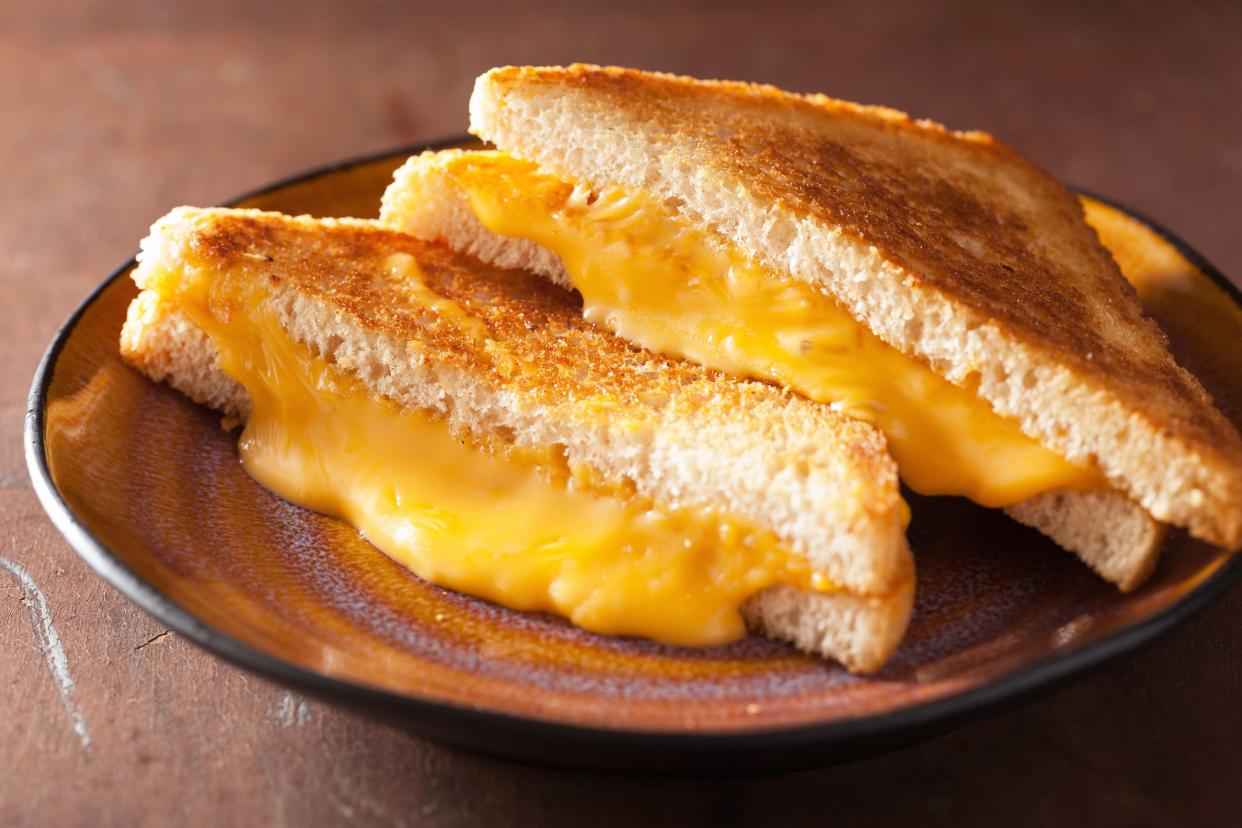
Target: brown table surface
113 113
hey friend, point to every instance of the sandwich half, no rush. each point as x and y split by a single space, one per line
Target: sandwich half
934 283
473 426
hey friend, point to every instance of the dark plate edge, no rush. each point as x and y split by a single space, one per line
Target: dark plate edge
557 743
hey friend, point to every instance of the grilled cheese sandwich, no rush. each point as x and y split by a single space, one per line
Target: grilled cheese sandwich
314 331
987 331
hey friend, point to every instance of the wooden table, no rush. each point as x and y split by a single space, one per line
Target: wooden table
113 113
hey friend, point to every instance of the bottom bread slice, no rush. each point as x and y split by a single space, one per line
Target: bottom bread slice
1111 533
859 631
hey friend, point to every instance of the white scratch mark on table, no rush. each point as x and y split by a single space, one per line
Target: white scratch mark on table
291 711
49 644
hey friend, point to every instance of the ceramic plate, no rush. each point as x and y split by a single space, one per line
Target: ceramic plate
147 488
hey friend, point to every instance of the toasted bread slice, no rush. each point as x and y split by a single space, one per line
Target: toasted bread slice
1111 533
949 246
528 371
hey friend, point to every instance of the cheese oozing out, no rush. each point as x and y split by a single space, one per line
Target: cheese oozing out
517 527
649 276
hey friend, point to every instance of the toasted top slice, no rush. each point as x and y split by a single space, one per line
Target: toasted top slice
506 357
949 246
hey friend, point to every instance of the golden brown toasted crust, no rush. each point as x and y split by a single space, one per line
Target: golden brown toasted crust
956 216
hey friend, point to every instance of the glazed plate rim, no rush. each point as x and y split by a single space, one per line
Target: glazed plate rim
477 726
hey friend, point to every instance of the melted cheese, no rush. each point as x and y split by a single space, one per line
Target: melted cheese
522 530
655 280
